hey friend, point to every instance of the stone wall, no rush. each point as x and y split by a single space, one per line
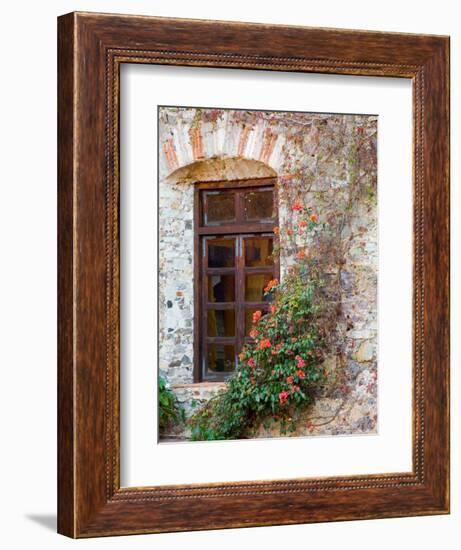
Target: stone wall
328 161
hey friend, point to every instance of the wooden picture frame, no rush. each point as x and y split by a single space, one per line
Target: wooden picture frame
92 48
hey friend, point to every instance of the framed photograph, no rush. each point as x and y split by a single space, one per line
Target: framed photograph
253 275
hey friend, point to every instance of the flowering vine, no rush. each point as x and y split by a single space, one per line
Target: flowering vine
280 369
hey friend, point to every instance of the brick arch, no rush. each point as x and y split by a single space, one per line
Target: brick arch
187 140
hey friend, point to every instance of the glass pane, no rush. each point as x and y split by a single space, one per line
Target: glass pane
221 288
254 287
249 319
258 251
259 205
221 253
219 207
221 357
221 322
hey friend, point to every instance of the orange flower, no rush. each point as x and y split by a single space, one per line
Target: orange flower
256 316
276 230
273 308
271 284
301 374
314 218
300 255
289 231
290 380
253 333
241 356
303 223
265 343
297 206
253 380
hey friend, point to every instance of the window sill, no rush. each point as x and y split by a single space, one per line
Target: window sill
199 385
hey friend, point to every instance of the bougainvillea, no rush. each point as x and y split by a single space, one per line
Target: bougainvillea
280 369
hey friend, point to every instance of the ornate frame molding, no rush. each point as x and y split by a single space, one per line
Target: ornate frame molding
91 49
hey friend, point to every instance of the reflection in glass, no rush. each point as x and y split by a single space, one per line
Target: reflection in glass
219 207
258 251
221 288
259 205
221 357
221 253
254 287
221 322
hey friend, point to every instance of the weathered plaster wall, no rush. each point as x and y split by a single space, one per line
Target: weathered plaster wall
328 161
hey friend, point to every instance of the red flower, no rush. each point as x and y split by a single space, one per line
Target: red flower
253 333
297 206
301 374
273 308
283 397
290 380
273 372
256 316
290 231
314 218
271 284
294 388
276 230
253 381
265 343
303 223
300 363
300 255
251 362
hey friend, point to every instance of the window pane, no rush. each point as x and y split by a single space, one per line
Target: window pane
249 319
219 207
221 357
258 251
254 287
221 253
221 288
259 205
221 322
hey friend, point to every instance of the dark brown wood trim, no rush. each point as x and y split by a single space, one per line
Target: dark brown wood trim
232 184
66 291
241 228
91 48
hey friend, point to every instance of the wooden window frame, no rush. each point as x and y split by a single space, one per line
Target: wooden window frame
239 230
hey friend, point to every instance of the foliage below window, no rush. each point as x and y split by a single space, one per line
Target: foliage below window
280 369
169 410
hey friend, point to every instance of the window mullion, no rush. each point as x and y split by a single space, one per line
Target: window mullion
240 313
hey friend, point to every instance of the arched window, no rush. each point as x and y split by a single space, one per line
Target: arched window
234 261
